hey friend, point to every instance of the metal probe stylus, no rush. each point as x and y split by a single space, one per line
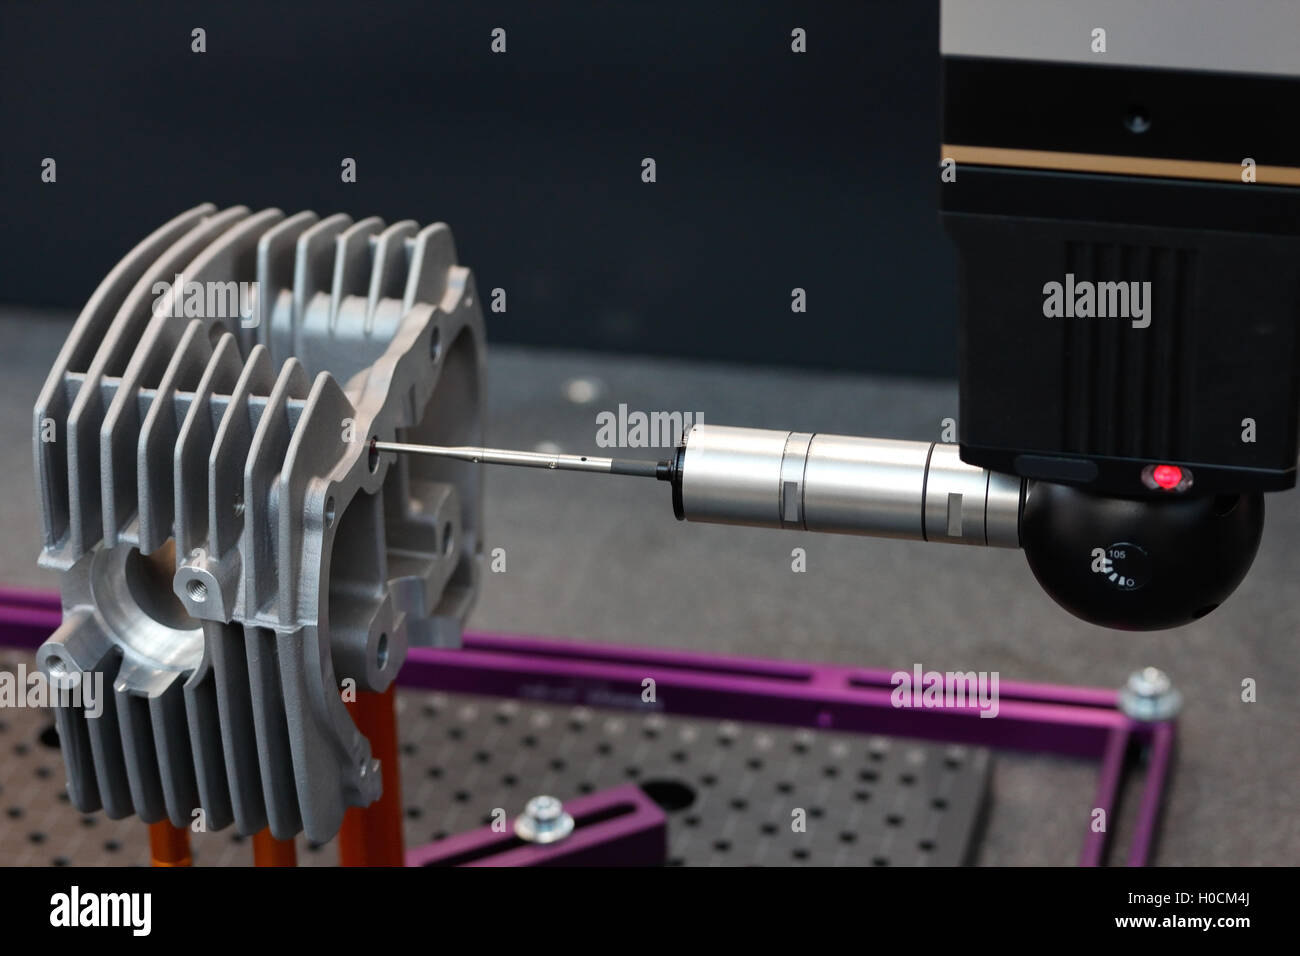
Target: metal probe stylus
640 468
805 481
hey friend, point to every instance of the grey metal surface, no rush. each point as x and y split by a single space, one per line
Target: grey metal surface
231 551
1248 36
603 560
735 795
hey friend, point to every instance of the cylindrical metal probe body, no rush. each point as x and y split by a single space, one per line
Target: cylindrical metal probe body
847 485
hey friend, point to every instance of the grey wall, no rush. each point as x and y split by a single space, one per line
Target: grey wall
775 170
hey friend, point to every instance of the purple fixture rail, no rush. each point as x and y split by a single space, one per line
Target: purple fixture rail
617 827
1080 722
28 617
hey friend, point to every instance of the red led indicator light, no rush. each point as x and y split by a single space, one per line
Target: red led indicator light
1167 477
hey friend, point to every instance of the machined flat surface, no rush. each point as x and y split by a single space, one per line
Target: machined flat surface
601 558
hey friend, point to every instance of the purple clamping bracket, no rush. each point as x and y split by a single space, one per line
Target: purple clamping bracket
617 827
1079 722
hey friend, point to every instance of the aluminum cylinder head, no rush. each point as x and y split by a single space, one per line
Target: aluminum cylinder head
235 559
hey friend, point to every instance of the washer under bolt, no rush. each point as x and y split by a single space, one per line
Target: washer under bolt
1150 696
543 821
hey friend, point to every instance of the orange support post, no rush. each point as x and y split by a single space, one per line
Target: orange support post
372 836
169 845
268 851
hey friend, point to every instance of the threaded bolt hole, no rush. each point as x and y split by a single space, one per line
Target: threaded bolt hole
197 590
329 511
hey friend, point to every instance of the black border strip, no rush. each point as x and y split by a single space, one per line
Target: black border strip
1128 200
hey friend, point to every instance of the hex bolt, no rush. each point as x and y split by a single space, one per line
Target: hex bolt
1149 696
543 821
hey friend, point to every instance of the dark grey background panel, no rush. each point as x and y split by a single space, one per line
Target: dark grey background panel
775 170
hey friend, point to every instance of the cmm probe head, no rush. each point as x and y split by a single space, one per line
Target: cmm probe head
1125 563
